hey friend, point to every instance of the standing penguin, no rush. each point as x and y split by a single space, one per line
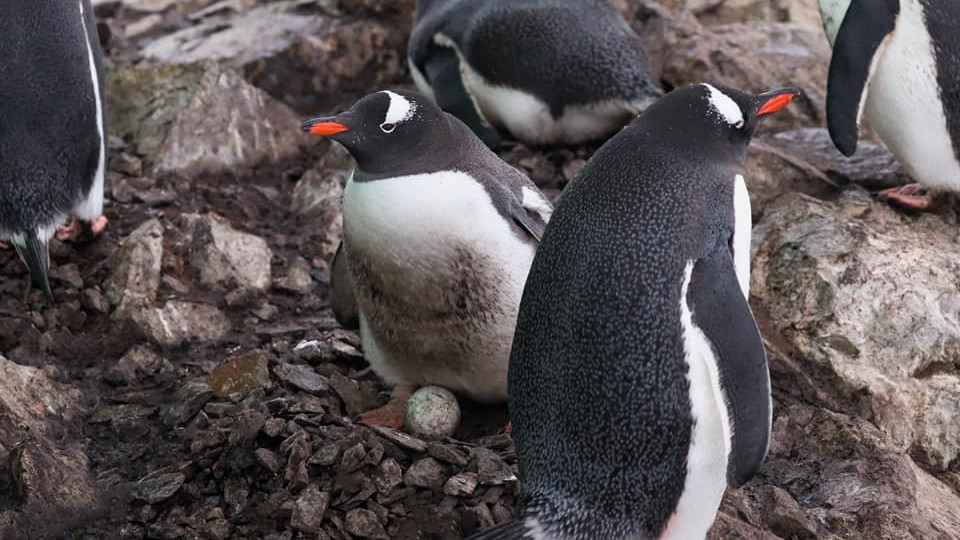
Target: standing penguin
439 234
638 380
52 138
548 71
898 63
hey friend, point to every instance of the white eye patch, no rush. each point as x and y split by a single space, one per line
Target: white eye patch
400 110
725 106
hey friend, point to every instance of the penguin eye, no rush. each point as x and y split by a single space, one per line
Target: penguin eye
387 127
739 124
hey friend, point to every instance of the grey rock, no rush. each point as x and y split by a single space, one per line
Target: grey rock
226 257
327 455
831 279
309 509
425 473
401 439
135 278
198 118
153 490
241 374
388 476
753 56
364 523
461 485
94 301
318 195
186 402
302 377
349 393
298 279
178 322
491 469
139 363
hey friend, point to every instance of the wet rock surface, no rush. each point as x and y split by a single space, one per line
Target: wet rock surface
192 383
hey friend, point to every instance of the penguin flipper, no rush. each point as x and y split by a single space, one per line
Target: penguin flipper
36 256
442 70
861 35
721 311
514 529
342 300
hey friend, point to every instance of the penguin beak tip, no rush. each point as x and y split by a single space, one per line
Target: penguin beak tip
323 127
780 100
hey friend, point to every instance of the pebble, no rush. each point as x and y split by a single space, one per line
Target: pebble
302 377
365 524
240 375
461 485
425 473
153 490
309 509
186 402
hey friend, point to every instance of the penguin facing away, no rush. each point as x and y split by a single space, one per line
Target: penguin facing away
551 72
52 134
897 63
638 380
439 234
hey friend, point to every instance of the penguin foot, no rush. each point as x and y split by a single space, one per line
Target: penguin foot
393 414
911 197
73 230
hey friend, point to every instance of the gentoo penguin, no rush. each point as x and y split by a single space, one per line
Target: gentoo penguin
638 380
439 234
548 71
897 62
52 137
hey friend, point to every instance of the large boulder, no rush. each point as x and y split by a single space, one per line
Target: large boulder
866 301
753 56
307 59
197 118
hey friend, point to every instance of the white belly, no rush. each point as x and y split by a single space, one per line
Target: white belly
90 207
903 104
529 119
416 227
710 440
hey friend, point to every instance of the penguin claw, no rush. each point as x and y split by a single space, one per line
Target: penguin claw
98 226
910 197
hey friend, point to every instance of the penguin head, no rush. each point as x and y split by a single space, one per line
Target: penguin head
385 130
717 116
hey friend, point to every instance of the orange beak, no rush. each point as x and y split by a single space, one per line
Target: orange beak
323 127
777 102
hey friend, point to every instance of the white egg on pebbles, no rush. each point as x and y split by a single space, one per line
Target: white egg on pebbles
433 412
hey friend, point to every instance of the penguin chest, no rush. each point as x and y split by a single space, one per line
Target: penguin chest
904 103
437 271
710 440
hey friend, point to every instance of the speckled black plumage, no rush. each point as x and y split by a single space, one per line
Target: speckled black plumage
598 391
565 52
49 143
943 23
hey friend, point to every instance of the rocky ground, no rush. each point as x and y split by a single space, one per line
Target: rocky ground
190 382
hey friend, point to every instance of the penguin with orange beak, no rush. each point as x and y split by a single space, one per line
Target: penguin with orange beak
439 234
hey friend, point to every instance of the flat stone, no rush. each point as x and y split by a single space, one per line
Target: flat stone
491 469
240 375
178 322
138 364
401 439
364 523
153 490
309 509
426 473
228 258
461 485
186 402
135 279
302 377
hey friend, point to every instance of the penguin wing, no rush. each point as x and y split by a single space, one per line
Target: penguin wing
525 204
342 300
720 310
865 26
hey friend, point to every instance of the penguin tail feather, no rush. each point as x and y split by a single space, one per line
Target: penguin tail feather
515 529
36 256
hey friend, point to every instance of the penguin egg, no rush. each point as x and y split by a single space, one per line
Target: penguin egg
433 412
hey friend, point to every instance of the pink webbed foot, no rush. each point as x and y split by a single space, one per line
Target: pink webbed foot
911 197
73 230
393 414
